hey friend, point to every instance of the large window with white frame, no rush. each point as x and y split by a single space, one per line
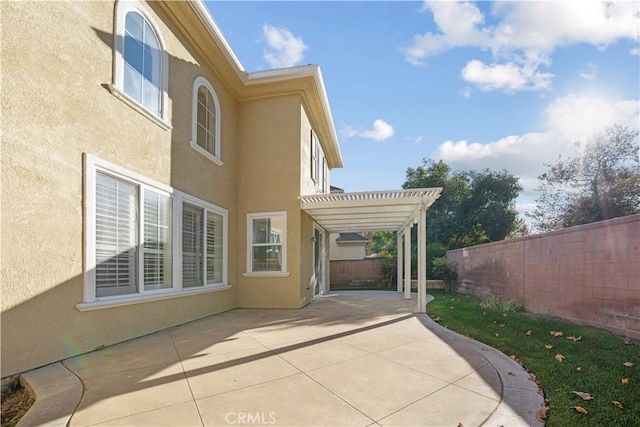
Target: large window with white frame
206 119
140 59
267 242
144 238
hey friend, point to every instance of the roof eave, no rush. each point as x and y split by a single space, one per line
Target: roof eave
331 147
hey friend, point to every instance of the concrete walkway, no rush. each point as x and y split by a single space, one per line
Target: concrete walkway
349 359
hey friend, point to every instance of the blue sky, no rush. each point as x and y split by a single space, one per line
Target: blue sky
498 85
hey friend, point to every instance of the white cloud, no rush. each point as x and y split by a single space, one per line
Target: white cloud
589 72
348 131
566 121
525 36
466 92
508 77
283 48
381 131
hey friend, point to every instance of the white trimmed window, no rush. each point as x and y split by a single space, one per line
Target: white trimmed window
325 176
319 169
140 59
205 125
267 242
202 246
314 157
145 239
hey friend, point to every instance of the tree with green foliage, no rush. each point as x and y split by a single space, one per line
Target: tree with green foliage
474 207
383 243
601 182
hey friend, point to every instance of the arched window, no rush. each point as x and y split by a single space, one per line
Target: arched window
141 63
205 119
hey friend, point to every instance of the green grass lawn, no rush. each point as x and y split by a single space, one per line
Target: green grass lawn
593 364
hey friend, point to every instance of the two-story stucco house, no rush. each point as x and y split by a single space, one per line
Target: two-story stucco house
149 180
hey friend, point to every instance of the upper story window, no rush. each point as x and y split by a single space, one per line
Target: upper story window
319 169
205 125
141 65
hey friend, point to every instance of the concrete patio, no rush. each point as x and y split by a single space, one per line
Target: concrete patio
355 358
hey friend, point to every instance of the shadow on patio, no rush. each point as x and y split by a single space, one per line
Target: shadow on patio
351 358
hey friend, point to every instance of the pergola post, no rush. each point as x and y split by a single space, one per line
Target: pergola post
422 260
407 261
399 260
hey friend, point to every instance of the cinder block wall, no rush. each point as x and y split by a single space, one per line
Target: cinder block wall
343 272
587 274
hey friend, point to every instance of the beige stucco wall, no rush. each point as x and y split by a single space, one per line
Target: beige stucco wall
309 186
55 106
347 250
268 179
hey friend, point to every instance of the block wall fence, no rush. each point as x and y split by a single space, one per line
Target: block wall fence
588 274
344 272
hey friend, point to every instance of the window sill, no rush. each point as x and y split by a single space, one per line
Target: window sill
266 274
206 154
138 299
139 108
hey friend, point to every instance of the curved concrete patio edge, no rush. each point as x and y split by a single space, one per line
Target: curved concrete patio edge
57 393
520 397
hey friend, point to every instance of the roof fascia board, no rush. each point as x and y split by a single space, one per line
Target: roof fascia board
203 13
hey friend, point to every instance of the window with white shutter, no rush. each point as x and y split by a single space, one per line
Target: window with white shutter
144 238
192 246
115 236
157 246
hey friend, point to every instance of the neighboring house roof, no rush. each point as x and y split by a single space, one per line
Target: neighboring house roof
333 189
351 237
305 80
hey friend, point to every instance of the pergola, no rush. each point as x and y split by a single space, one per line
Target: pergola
396 210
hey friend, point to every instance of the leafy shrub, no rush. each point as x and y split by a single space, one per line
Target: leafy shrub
389 271
441 270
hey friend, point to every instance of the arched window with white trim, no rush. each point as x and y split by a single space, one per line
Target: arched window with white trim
206 119
141 64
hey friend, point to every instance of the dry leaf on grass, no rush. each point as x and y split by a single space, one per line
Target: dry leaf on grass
574 339
579 369
629 364
617 404
548 346
529 333
580 409
556 333
541 415
437 319
627 341
583 395
625 381
560 357
497 335
502 325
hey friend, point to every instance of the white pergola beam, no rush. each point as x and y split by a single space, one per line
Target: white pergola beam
407 262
